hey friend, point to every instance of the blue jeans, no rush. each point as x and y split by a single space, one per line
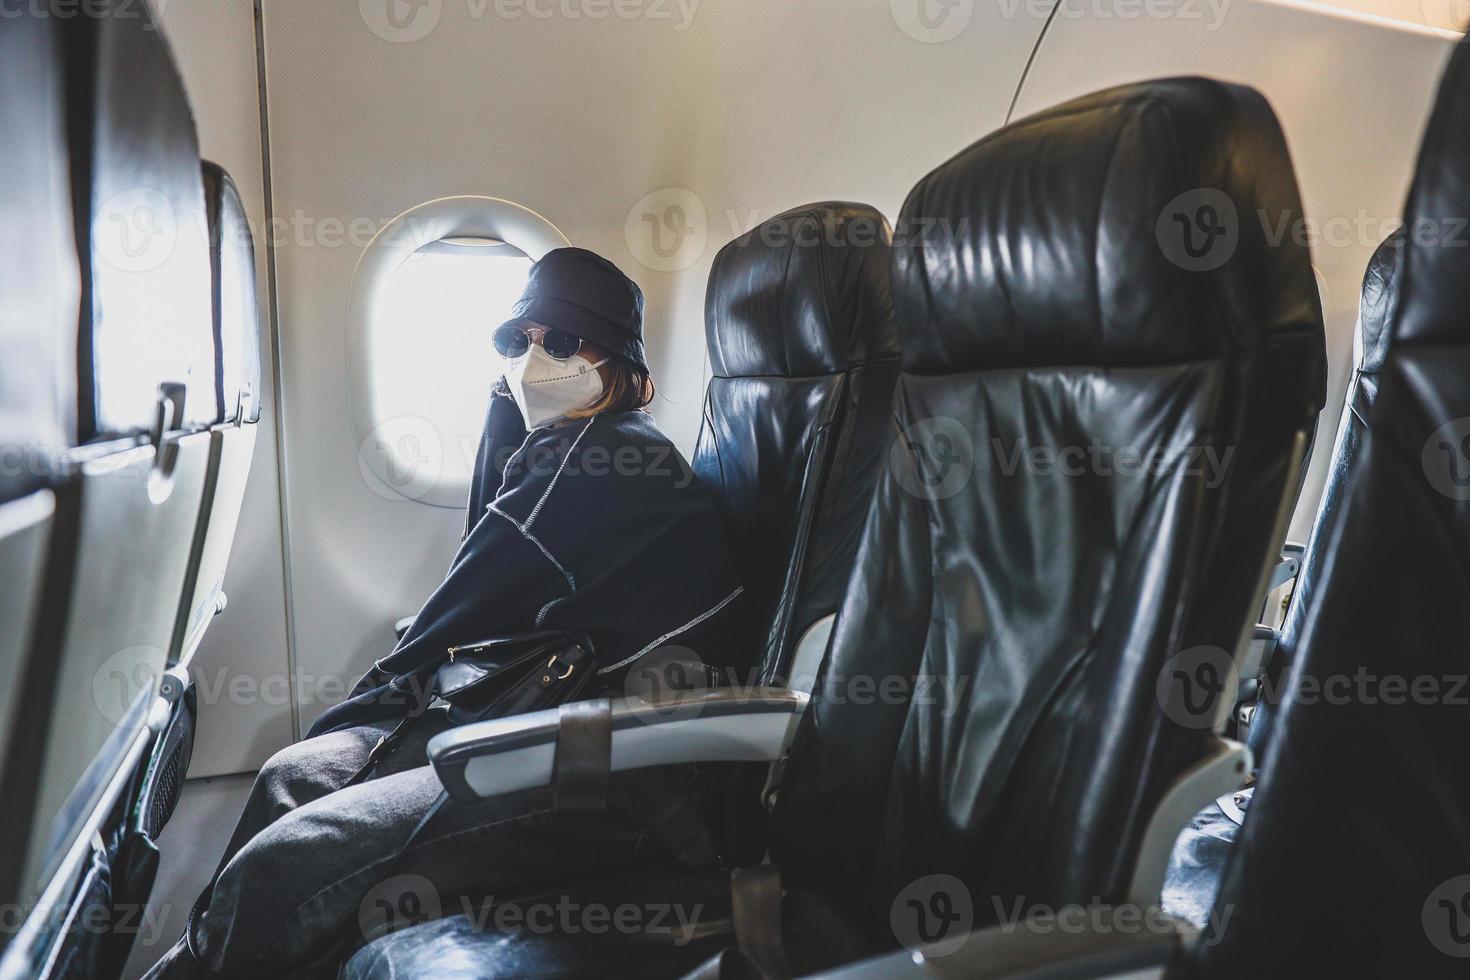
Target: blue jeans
311 865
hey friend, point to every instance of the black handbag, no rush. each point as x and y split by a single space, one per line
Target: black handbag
514 674
494 678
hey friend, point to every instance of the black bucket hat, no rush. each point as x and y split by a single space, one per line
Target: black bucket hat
585 294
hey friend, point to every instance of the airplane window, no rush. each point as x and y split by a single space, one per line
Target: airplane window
436 313
426 294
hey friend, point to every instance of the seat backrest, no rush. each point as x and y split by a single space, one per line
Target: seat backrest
799 320
1379 295
38 315
38 271
1354 859
139 204
1096 431
236 320
145 376
801 339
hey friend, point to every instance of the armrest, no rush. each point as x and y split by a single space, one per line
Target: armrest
1069 942
489 758
403 626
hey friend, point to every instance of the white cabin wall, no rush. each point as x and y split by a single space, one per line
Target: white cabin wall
241 666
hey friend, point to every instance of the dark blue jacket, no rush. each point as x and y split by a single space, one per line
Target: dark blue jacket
596 526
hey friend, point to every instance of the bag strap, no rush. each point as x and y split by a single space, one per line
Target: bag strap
423 699
582 776
755 908
583 767
759 952
384 748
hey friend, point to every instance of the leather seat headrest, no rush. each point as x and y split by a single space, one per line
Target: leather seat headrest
139 197
1379 302
1435 279
1146 224
805 293
39 281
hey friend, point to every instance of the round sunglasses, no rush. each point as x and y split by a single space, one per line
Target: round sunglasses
512 341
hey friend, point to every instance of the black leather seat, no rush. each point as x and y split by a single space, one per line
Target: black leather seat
1377 304
146 385
1201 851
799 322
1017 619
236 346
39 287
800 328
131 506
1353 857
1045 306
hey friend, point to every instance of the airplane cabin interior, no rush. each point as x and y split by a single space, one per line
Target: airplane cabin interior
724 489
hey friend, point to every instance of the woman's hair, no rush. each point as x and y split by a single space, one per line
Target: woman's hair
629 387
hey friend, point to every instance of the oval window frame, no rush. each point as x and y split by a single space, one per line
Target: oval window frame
387 470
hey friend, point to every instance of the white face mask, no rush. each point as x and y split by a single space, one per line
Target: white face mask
546 389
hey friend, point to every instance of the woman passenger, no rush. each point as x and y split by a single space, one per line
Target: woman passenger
583 517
